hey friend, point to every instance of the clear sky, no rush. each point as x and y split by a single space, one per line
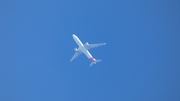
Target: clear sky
140 62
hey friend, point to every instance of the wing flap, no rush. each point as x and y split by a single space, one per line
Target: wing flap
76 54
90 46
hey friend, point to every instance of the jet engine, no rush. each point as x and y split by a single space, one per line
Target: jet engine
75 49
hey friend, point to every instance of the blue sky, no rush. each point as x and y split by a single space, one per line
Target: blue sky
141 61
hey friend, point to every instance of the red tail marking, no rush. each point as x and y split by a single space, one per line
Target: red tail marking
92 59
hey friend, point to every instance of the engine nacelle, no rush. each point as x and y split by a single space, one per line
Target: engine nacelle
87 43
75 49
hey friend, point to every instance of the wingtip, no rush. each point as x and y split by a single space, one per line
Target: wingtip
71 60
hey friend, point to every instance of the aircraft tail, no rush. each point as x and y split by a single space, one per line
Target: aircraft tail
94 62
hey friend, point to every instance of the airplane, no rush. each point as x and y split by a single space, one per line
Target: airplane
83 48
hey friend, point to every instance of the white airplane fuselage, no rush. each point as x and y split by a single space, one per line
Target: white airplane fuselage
82 48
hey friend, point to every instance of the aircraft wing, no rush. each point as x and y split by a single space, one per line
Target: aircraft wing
76 54
90 46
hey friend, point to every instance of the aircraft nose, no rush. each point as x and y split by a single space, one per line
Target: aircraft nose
74 35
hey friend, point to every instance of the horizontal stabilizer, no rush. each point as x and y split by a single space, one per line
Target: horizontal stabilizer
92 63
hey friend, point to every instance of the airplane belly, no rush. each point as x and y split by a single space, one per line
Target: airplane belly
79 42
76 39
88 54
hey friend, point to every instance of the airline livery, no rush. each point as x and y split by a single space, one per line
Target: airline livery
83 48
